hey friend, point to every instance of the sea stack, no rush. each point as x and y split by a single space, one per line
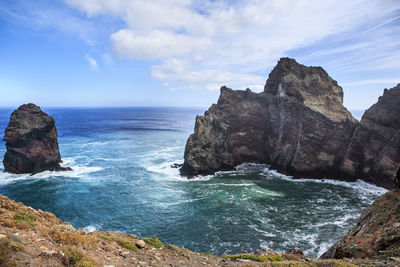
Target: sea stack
31 142
299 126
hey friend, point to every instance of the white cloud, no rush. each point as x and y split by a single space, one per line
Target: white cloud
206 44
155 44
92 62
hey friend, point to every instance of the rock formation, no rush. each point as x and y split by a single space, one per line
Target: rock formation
31 141
374 152
299 126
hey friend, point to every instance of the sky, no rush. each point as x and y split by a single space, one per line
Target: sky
180 52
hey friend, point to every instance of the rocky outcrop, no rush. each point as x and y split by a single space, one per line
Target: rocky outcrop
374 153
299 126
31 141
377 233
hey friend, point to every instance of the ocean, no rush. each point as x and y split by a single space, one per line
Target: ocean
122 181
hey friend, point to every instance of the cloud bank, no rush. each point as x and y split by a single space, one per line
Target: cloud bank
205 44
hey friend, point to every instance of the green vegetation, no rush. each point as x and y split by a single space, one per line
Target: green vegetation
126 244
108 238
258 258
154 241
122 242
291 257
354 248
78 259
27 218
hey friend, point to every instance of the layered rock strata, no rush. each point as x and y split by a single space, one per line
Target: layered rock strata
299 126
31 142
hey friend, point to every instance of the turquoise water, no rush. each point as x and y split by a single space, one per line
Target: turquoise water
122 181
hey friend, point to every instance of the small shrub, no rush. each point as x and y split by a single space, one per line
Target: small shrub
77 259
24 220
126 244
154 241
122 242
354 248
75 239
108 238
291 257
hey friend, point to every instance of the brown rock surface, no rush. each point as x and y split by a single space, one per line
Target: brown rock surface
31 141
300 127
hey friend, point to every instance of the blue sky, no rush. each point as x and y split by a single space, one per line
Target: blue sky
180 52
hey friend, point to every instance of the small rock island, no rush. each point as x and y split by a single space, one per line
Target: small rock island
31 142
299 126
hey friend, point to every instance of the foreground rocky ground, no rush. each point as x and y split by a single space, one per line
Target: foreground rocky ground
31 237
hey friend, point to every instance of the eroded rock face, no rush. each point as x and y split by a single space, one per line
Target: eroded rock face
376 233
374 151
299 126
31 141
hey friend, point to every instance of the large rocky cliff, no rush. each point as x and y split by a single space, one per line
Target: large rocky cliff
31 141
299 126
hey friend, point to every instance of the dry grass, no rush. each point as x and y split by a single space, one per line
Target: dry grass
76 258
73 239
7 249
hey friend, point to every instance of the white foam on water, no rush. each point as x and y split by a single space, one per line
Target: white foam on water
82 145
6 177
341 222
264 233
77 171
172 174
67 162
92 228
359 185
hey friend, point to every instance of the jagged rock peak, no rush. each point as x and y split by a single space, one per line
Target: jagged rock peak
300 127
311 86
31 142
384 114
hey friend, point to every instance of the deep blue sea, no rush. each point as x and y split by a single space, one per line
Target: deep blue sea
122 181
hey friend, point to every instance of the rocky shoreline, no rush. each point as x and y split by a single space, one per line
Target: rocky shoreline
299 126
30 237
